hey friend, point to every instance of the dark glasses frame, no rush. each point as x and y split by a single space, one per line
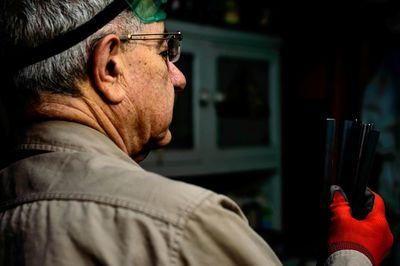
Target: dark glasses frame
173 39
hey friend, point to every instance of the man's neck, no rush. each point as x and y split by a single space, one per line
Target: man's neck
77 109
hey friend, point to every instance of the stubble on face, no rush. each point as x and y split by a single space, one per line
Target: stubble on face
151 94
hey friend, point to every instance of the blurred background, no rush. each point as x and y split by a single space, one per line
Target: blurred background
263 76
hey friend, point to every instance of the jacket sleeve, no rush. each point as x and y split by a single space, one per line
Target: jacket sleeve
348 257
217 233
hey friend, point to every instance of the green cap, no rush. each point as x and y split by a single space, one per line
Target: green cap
148 11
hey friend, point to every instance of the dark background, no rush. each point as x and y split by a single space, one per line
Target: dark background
329 53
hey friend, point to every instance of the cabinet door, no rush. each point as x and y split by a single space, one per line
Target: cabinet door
242 107
244 81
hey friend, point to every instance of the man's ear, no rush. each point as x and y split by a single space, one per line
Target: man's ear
106 67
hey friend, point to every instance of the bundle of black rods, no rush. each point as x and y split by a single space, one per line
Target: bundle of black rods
349 164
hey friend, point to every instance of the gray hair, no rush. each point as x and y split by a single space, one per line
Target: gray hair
32 22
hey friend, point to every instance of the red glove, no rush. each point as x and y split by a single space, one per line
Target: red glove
371 236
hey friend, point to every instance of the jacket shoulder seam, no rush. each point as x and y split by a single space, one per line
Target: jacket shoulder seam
99 199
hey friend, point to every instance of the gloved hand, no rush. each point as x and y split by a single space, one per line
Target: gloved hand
371 236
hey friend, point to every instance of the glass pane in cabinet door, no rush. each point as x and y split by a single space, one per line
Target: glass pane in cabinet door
182 122
242 102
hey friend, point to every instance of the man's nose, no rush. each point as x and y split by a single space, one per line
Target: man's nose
177 77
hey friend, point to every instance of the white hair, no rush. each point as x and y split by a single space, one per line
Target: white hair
32 22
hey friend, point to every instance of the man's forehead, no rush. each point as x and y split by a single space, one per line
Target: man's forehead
155 27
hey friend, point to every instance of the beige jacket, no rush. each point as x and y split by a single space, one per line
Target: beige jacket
82 201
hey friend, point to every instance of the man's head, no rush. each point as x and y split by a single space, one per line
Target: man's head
32 24
126 86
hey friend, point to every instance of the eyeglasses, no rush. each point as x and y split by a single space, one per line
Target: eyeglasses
173 41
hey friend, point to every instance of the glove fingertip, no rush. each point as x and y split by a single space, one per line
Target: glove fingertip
378 204
340 196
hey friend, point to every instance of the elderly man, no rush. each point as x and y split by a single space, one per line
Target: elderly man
95 82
